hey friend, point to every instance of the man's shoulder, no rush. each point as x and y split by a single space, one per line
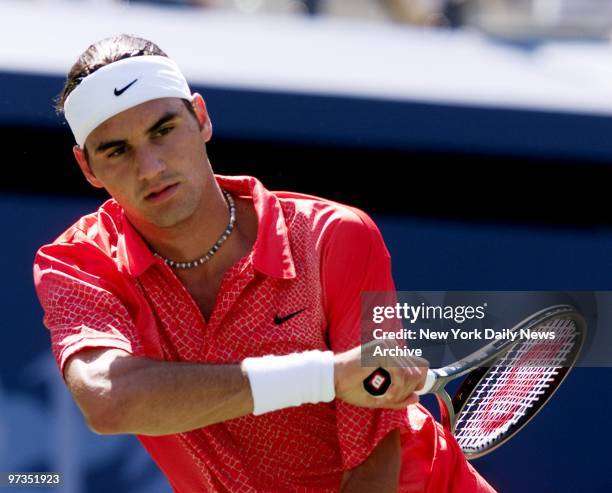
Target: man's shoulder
324 214
96 234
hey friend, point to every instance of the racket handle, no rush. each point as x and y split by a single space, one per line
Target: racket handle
377 383
429 383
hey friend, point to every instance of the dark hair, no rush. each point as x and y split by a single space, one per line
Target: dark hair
100 54
105 52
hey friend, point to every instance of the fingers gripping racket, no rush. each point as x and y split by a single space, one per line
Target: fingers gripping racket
507 381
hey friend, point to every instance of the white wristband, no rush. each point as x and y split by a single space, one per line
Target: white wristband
285 381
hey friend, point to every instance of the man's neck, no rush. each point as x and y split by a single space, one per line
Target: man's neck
193 238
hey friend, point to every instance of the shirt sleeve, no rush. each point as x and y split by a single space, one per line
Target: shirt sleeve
80 289
355 260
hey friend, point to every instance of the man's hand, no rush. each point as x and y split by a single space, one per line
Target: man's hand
407 375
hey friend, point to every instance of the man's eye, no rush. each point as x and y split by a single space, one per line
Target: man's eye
165 130
117 152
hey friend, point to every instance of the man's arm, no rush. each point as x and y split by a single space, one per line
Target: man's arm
379 472
120 393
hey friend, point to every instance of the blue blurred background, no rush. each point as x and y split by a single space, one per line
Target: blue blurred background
477 134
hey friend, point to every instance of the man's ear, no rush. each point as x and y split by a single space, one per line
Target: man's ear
199 106
79 155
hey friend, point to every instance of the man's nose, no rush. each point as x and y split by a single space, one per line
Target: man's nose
150 163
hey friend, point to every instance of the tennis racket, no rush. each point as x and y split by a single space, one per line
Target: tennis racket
507 382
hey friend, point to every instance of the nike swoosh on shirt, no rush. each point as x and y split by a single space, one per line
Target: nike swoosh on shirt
280 320
119 92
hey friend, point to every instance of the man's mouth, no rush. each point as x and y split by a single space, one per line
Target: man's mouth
160 193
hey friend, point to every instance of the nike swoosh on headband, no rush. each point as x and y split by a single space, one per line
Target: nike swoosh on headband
119 92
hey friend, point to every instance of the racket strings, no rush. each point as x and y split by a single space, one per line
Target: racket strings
514 385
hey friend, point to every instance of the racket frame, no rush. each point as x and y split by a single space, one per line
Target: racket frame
477 365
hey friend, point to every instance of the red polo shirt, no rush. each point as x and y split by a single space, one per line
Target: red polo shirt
101 286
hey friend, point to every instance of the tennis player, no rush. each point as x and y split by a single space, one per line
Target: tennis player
216 320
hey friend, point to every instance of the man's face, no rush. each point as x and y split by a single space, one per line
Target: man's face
152 160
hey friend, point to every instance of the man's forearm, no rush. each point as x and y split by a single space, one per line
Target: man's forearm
166 398
120 393
150 397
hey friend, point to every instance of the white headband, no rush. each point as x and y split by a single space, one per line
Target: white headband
119 86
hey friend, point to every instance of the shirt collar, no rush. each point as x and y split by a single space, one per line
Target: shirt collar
271 252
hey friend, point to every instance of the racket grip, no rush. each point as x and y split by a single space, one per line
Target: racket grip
377 383
429 383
